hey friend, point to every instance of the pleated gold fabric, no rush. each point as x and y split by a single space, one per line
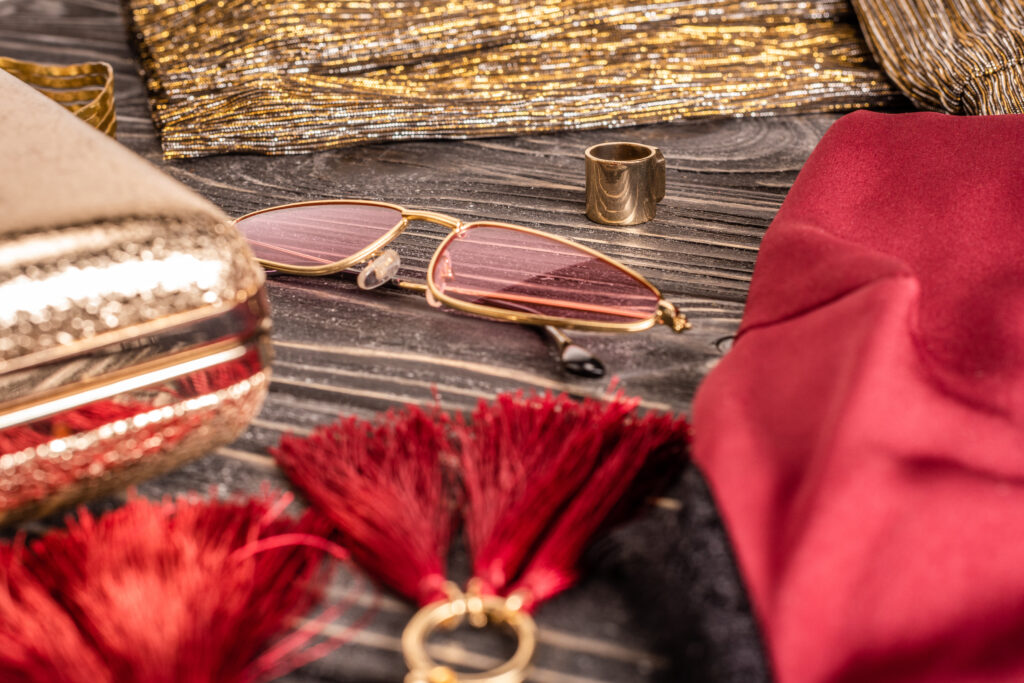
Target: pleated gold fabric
289 76
959 56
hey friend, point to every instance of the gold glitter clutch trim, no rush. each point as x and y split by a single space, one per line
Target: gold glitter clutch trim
960 56
86 89
281 77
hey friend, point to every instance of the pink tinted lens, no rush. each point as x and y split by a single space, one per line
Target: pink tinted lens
316 234
528 273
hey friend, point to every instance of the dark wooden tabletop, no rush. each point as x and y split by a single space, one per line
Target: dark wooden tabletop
343 350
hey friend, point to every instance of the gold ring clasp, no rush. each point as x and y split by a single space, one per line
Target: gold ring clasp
480 611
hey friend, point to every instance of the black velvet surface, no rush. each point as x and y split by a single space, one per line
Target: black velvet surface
679 575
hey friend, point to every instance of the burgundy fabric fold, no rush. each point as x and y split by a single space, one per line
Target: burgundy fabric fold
864 438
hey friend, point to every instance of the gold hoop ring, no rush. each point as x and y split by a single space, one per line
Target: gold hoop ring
481 610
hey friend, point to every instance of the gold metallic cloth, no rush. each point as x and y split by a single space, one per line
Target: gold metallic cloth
289 76
87 89
960 56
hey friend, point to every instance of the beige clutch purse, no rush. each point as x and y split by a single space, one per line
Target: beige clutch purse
133 325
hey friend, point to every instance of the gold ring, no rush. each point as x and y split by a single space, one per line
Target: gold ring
480 611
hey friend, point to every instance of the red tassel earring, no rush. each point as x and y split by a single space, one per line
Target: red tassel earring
162 592
384 488
534 478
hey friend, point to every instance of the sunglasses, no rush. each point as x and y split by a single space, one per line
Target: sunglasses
497 270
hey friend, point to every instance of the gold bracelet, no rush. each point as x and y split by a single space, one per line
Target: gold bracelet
87 89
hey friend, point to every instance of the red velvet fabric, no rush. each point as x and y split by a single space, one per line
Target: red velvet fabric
864 438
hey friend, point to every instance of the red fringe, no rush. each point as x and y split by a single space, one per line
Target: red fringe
540 475
640 455
384 488
198 592
543 475
521 458
158 592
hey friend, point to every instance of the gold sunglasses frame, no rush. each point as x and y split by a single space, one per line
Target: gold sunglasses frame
666 313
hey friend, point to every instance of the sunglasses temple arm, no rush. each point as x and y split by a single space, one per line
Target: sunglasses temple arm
574 358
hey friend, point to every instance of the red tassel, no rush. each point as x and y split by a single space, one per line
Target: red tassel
384 488
540 476
41 641
639 455
183 591
521 459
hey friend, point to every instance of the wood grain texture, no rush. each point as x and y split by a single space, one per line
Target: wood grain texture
342 350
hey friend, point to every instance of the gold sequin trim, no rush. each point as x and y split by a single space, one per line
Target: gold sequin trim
62 286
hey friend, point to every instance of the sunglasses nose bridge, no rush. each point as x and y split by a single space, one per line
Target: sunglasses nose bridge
449 222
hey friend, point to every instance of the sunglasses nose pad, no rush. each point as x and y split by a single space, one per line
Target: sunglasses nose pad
380 270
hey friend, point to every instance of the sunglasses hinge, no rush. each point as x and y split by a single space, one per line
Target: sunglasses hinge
669 315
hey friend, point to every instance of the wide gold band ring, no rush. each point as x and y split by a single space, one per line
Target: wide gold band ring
480 611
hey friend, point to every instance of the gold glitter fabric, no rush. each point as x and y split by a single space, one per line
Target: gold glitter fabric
289 76
960 56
